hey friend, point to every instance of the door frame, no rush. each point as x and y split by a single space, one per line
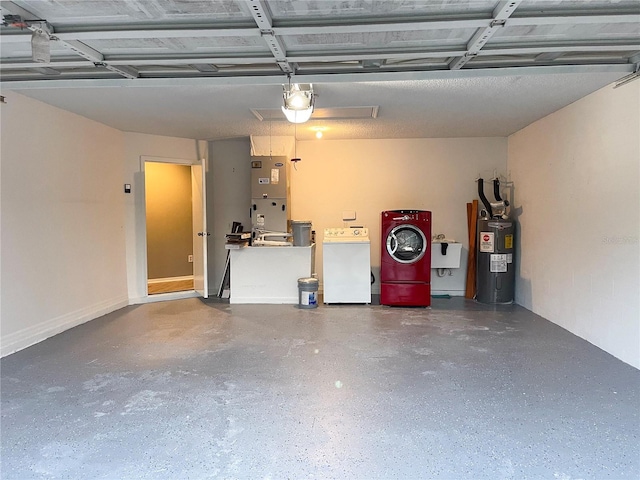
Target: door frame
199 219
142 252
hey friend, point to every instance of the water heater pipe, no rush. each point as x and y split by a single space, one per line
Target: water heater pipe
496 189
485 202
496 192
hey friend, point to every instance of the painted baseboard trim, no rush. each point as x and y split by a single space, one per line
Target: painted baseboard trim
28 336
264 300
163 297
170 279
453 293
375 290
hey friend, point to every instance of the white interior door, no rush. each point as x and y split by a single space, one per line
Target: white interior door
200 234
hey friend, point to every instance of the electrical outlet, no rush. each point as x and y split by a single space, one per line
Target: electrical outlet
190 259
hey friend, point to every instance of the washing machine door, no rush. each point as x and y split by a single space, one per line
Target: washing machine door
406 244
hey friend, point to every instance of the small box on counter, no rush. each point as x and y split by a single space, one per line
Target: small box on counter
238 237
237 240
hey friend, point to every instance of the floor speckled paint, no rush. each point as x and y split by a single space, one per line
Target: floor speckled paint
194 389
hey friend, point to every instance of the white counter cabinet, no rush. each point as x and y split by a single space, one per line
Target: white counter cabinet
269 274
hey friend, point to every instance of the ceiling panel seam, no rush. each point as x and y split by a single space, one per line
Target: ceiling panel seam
519 49
501 13
260 12
114 33
622 68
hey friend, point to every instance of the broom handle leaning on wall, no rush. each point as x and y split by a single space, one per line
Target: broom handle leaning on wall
472 222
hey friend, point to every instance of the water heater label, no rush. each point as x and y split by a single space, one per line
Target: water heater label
275 176
486 242
498 263
508 241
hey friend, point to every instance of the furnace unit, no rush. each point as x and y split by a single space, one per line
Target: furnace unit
270 194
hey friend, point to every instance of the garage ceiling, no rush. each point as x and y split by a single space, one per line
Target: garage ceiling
215 69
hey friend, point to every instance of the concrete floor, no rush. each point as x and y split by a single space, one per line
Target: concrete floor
191 389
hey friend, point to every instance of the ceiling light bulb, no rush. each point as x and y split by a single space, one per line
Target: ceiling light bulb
298 101
319 134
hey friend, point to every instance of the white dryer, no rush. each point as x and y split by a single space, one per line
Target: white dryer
346 265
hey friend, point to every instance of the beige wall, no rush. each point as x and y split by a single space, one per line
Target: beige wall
63 221
169 222
577 181
228 199
370 176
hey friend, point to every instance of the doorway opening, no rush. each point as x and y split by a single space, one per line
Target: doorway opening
179 190
169 227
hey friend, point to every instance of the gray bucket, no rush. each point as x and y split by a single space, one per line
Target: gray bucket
301 233
308 292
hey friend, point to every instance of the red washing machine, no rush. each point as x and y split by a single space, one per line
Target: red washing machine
405 266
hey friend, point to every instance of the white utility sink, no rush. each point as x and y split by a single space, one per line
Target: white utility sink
452 257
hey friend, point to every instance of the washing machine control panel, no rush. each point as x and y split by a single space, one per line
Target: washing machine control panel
406 215
341 234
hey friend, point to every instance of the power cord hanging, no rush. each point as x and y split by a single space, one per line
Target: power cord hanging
270 151
295 160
